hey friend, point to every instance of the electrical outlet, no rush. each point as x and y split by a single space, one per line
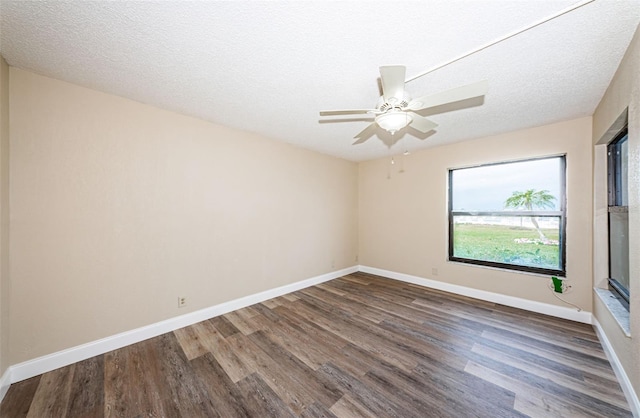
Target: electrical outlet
182 301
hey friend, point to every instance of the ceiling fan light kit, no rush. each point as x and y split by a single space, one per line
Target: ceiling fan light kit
393 120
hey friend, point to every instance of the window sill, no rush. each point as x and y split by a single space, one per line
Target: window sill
508 270
619 312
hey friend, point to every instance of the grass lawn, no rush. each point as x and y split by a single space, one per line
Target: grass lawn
498 243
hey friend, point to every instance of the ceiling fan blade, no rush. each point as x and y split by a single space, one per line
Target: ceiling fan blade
365 134
449 96
421 123
347 112
392 77
361 140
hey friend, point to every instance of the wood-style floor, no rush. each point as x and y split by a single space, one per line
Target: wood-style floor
358 346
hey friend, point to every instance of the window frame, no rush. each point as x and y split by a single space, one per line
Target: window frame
614 203
562 214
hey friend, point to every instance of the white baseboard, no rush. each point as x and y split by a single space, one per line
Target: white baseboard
72 355
5 382
623 379
528 305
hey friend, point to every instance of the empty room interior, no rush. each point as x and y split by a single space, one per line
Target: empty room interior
320 209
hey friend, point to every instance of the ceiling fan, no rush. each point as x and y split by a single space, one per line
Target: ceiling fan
396 110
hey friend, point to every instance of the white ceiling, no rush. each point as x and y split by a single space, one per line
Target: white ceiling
270 67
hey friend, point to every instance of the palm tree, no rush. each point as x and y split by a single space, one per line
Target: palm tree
529 200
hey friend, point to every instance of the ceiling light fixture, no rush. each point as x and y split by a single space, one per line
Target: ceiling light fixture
393 120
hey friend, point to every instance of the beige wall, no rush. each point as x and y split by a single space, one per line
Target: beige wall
623 93
118 208
4 216
403 220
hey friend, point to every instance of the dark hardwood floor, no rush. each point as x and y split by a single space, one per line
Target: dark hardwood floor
358 346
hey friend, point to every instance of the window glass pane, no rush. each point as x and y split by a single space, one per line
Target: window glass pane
487 188
508 239
619 247
624 157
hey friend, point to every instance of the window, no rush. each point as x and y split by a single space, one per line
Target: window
617 155
509 215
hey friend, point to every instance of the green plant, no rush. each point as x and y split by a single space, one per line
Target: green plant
529 200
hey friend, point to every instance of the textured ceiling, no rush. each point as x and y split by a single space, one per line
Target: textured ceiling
270 67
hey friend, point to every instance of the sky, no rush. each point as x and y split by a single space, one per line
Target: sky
486 188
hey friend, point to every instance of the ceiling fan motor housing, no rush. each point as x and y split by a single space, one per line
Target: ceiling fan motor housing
393 103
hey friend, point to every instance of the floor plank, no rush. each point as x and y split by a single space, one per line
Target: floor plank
261 400
19 398
52 396
89 375
223 392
